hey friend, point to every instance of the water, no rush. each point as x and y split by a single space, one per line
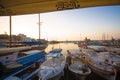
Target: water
63 46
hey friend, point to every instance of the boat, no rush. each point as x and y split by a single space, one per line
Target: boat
77 67
8 55
53 53
57 50
117 66
53 67
80 70
111 59
29 66
98 64
98 48
39 45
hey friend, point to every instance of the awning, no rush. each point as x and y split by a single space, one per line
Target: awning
20 7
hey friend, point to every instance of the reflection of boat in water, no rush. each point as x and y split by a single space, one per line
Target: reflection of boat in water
98 65
77 67
53 67
24 67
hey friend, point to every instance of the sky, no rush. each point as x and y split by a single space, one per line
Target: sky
75 24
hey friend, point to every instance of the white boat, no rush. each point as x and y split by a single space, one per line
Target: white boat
53 53
80 70
8 55
117 66
98 48
57 50
51 68
111 59
25 67
77 67
98 65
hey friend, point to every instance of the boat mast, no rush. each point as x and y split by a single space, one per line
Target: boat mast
39 27
10 31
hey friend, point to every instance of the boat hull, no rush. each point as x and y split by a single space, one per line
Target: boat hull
117 66
48 71
105 74
80 70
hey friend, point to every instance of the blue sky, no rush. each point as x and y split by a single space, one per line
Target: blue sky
68 25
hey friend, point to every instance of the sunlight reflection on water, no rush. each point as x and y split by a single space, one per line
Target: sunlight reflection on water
63 46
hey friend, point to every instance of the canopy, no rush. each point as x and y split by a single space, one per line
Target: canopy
20 7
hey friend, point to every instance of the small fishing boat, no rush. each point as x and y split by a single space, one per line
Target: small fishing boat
117 66
98 48
55 50
111 59
53 53
53 67
80 70
8 55
77 67
98 64
24 67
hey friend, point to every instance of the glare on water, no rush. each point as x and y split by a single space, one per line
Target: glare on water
63 46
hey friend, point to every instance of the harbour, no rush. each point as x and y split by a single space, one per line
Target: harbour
59 40
68 75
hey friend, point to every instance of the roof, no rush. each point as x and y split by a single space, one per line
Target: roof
20 7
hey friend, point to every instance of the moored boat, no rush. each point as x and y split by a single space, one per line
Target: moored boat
111 59
53 67
98 65
29 66
8 55
53 53
80 70
77 67
55 50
